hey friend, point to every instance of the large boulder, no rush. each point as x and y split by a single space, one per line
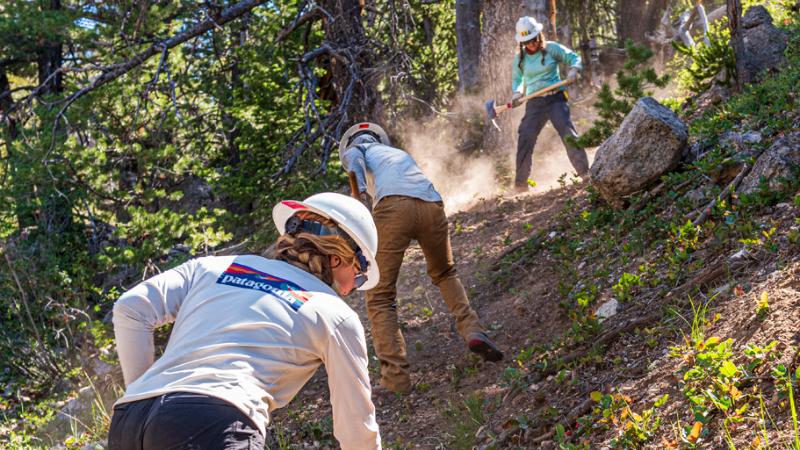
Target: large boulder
776 165
648 144
764 44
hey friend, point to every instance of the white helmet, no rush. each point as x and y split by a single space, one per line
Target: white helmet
527 29
349 214
358 128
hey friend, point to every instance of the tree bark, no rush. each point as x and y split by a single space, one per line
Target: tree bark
49 60
345 35
734 22
468 34
497 54
635 17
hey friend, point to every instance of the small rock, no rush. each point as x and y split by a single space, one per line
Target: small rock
741 255
607 309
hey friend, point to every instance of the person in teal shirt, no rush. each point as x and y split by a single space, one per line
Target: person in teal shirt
536 67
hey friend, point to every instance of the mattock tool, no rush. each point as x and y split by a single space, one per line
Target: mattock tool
493 111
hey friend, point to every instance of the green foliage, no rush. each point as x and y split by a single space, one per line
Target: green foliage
468 416
623 288
631 429
633 82
707 62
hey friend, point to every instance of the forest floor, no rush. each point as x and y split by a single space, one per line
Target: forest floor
459 401
699 355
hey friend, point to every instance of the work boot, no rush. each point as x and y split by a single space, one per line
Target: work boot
521 188
480 343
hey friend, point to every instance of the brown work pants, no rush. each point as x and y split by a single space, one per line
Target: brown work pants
400 219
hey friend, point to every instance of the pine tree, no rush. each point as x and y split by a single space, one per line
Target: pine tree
633 82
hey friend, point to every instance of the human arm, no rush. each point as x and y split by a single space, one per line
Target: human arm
564 55
345 359
142 309
354 161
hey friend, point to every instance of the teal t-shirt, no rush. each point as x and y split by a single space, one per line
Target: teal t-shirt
536 75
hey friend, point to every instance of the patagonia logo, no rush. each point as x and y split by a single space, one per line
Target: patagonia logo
241 276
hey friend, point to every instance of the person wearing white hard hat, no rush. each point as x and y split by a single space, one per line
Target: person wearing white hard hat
536 67
407 207
249 332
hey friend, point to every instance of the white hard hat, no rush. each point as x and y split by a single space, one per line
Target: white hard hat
349 214
527 29
358 128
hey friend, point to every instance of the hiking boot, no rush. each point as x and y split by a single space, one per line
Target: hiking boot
521 188
480 343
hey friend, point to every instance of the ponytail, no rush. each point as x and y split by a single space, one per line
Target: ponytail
311 253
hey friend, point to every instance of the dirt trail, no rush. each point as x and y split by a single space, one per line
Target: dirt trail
444 373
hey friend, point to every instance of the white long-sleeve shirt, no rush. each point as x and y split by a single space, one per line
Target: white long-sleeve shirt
251 331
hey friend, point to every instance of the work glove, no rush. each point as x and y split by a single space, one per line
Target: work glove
366 199
516 99
572 75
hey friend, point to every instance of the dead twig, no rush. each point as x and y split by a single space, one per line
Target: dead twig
704 213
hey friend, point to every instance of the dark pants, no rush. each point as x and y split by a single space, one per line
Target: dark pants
182 420
537 112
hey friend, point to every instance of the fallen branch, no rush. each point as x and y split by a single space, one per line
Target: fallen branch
705 212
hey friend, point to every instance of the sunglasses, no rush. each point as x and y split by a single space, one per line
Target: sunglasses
296 225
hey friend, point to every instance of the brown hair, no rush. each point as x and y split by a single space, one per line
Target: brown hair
539 37
310 252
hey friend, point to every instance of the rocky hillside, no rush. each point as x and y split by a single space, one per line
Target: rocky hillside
662 312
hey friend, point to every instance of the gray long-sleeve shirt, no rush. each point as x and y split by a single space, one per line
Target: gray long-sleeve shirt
392 172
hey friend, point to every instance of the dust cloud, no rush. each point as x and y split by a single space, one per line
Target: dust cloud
467 178
461 178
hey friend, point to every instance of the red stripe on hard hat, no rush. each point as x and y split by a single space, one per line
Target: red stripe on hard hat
294 205
363 125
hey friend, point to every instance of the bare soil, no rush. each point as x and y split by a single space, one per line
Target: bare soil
520 306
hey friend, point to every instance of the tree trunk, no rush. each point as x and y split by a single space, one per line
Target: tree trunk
497 54
55 213
468 35
345 35
734 21
635 17
49 60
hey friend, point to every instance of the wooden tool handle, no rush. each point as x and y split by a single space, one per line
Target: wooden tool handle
354 186
539 93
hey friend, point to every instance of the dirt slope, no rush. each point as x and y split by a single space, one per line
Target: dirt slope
461 402
445 374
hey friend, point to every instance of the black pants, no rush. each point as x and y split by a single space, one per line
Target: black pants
182 421
537 112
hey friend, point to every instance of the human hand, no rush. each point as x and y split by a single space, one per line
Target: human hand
572 75
516 99
366 199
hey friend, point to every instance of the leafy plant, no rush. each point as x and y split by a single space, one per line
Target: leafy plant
624 287
706 62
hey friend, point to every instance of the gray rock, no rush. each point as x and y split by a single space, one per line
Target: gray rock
649 143
764 44
775 165
740 140
608 309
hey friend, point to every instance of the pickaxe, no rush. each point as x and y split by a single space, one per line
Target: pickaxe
493 110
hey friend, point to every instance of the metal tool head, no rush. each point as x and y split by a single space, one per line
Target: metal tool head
490 111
